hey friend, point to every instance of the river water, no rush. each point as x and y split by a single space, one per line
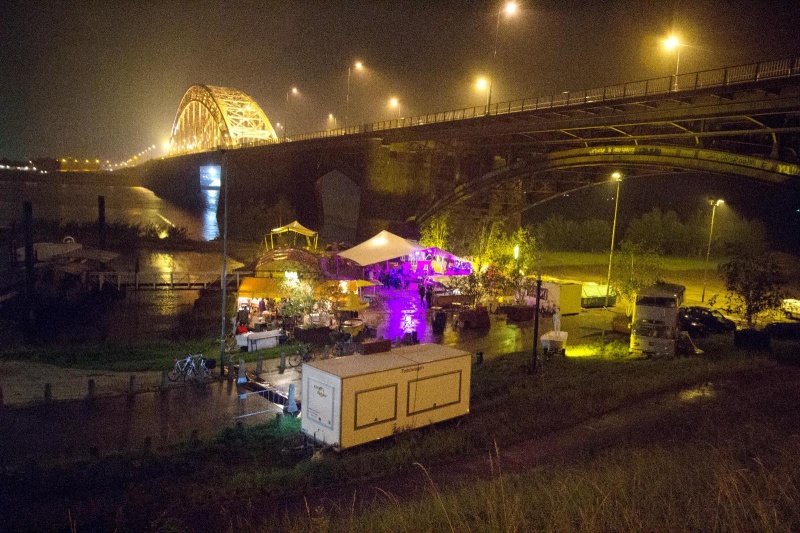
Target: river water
144 314
78 202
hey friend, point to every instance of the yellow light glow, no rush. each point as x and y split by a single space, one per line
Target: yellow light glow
671 42
394 102
294 90
510 8
583 350
516 251
359 65
616 176
482 83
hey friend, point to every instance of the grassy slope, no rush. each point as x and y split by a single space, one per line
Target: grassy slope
247 477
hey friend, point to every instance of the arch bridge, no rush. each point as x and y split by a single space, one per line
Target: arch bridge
738 121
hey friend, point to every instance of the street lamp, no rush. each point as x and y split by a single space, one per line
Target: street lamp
713 203
394 102
672 43
332 120
616 176
358 65
292 91
509 8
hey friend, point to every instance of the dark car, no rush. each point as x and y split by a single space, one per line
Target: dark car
698 320
783 330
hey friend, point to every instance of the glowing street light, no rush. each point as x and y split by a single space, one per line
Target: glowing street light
713 203
673 43
509 9
358 65
394 102
332 120
616 176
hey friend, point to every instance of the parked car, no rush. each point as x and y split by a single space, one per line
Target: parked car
783 330
698 320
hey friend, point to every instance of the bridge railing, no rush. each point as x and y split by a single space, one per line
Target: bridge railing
691 81
169 280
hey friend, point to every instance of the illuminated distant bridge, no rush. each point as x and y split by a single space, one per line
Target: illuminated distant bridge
736 121
211 117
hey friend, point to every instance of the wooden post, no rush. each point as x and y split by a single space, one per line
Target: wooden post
132 385
92 390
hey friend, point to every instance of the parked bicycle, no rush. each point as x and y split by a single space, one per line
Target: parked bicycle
303 354
190 367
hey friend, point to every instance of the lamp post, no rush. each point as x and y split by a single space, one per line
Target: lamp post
510 8
713 203
224 279
332 120
358 65
291 91
672 43
616 176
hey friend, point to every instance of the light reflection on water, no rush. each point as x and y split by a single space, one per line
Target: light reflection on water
210 226
78 202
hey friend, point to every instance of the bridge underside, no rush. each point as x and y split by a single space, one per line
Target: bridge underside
516 157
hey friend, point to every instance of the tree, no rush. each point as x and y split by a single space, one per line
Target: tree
753 279
435 232
634 268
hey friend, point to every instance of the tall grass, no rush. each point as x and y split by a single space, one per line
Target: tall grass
738 469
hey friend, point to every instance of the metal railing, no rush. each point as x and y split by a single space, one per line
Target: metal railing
722 77
164 280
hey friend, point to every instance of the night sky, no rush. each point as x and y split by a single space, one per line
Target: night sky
104 79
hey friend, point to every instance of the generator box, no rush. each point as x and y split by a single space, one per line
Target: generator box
356 399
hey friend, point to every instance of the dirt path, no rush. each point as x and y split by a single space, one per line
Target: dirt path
23 382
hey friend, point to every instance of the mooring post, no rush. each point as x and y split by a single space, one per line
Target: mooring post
132 385
282 364
259 366
92 389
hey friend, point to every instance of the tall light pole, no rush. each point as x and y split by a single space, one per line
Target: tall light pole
291 91
394 102
224 278
672 43
713 203
509 8
358 65
616 176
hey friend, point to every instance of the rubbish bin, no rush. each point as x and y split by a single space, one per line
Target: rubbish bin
439 321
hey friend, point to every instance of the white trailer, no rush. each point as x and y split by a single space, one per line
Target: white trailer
356 399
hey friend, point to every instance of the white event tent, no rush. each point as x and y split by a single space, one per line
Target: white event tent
381 247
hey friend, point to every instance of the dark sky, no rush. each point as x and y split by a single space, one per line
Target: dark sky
104 79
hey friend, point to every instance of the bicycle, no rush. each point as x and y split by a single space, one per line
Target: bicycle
189 366
302 355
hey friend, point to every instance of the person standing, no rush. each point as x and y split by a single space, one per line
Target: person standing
429 295
421 291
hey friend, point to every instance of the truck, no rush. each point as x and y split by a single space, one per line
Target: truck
655 324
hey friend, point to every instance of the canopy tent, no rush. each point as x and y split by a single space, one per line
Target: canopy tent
297 229
261 288
381 247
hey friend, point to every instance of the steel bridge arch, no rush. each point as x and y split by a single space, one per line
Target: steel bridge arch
671 157
211 117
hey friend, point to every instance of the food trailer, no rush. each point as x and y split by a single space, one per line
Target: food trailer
356 399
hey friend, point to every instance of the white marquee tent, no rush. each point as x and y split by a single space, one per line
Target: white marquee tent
381 247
